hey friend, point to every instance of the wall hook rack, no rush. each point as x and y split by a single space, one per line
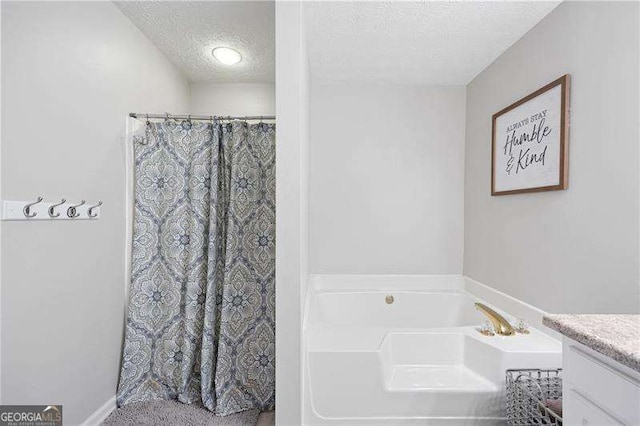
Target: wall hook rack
49 210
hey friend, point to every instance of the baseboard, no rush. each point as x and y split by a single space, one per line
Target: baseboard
101 413
509 304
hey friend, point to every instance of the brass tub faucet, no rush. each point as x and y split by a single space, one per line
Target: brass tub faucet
500 325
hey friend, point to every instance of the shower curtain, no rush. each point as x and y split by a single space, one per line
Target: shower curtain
201 316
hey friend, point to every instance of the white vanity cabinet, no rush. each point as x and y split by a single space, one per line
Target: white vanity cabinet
597 390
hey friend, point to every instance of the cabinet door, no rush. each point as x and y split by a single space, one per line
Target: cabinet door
582 412
609 386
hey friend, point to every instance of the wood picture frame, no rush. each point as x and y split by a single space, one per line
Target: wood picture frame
529 153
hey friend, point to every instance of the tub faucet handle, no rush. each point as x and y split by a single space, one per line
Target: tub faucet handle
487 329
522 326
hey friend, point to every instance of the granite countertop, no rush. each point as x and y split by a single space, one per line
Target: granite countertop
616 336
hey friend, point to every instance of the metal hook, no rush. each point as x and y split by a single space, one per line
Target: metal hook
166 116
72 210
53 206
90 211
143 140
27 209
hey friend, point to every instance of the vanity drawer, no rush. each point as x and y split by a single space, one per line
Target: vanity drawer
602 383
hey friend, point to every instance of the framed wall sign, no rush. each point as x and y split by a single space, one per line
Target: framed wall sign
530 142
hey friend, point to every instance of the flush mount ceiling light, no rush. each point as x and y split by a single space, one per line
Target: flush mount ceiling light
226 55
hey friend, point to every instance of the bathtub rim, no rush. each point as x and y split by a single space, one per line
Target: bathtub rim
504 302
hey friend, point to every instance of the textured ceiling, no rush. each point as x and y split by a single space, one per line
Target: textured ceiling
425 43
187 31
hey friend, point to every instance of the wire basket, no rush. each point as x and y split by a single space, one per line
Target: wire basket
534 397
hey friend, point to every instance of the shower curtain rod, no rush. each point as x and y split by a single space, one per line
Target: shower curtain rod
201 117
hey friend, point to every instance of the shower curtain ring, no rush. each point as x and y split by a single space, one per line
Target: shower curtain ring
166 116
148 122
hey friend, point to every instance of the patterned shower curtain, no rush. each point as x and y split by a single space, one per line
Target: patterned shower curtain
201 314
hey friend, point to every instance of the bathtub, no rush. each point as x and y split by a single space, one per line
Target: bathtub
417 360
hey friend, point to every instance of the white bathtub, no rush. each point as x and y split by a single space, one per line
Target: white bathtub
419 360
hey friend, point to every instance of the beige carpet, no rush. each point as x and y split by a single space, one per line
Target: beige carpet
267 418
173 413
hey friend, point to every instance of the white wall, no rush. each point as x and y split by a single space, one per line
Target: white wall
232 99
71 73
575 250
386 179
292 255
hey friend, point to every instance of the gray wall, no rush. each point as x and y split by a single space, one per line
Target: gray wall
292 254
70 74
232 99
575 250
386 177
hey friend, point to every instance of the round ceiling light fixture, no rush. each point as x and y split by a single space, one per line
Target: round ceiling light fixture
226 55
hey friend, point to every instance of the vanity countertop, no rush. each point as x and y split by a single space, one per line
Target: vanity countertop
616 336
